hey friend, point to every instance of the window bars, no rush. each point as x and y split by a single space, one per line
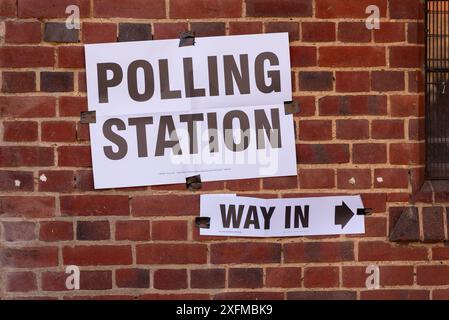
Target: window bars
437 89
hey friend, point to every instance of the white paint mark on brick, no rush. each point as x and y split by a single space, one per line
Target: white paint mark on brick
43 178
17 183
352 181
380 179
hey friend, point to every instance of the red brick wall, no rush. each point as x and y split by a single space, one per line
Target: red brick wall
362 108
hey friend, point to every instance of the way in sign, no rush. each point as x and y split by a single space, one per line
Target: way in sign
231 215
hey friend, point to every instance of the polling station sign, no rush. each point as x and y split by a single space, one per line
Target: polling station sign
165 113
230 215
159 76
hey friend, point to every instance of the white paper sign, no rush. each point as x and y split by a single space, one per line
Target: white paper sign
164 112
159 76
144 149
253 217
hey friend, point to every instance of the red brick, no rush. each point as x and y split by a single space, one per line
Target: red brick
56 181
30 257
361 179
180 296
348 8
385 81
279 8
8 180
82 85
169 230
415 32
56 231
316 178
71 57
23 57
315 81
369 153
54 281
167 279
375 226
171 253
244 27
8 8
132 278
318 31
442 294
352 129
200 9
208 29
283 277
19 82
104 255
99 32
94 205
21 282
387 129
321 295
249 295
306 252
395 295
440 253
391 178
322 153
291 27
354 277
315 130
279 183
72 106
29 206
390 32
169 30
433 224
243 185
307 104
321 277
380 251
406 57
58 131
406 9
407 105
93 230
22 32
207 278
96 280
353 105
82 132
407 153
396 275
20 131
416 129
57 81
351 81
84 180
245 278
245 252
303 56
74 156
134 230
433 275
145 9
353 32
19 231
349 56
175 205
50 8
27 107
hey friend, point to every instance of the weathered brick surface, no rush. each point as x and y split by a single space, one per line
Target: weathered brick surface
360 130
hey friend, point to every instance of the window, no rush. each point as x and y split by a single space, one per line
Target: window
437 89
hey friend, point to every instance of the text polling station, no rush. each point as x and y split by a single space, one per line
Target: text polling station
164 112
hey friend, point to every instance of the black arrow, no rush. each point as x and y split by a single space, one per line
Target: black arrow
343 214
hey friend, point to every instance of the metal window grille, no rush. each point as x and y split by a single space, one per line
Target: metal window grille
437 89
